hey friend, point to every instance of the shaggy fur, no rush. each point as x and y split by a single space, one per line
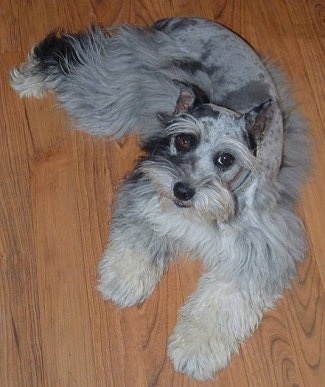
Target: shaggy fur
226 157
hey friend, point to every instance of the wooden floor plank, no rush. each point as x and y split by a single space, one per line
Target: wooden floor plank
56 192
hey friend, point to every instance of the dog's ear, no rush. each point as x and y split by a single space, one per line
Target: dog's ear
186 98
256 119
189 96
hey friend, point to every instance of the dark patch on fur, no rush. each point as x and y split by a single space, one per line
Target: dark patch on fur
251 142
161 24
200 95
58 51
61 50
190 66
255 92
172 24
156 146
204 111
183 23
135 176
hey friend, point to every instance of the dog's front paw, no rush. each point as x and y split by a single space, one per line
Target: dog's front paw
198 351
126 277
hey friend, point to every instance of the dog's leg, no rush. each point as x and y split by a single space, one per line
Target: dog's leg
129 275
210 328
258 264
136 256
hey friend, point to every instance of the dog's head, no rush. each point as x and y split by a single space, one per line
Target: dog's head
205 158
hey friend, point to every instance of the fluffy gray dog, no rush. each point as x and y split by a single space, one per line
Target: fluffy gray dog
226 156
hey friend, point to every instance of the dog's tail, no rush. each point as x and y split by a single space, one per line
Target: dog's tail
111 82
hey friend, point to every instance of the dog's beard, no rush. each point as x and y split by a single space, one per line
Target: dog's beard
211 202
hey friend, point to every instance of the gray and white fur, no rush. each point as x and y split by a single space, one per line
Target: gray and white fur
226 157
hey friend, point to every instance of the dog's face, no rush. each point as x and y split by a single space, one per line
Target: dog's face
205 159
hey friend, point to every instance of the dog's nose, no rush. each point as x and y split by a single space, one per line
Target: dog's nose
183 191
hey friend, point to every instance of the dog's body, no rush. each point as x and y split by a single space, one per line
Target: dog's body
226 158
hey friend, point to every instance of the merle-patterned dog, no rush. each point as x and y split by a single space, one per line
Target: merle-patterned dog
226 156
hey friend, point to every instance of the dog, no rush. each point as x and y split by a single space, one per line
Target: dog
225 157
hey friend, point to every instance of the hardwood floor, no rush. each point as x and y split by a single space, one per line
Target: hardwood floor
56 190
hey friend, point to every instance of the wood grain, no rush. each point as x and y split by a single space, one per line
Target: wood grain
56 191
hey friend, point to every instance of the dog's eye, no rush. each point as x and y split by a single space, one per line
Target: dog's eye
224 160
185 142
